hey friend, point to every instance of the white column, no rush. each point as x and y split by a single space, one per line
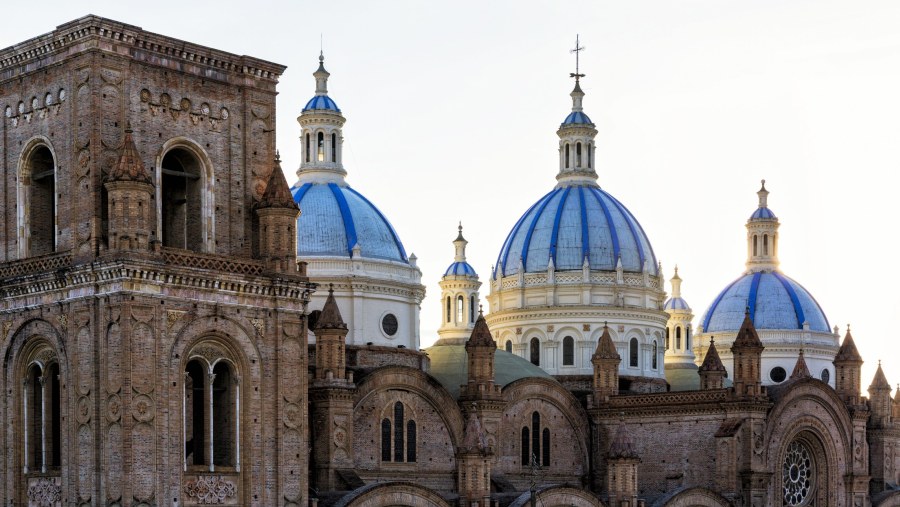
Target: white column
209 389
43 383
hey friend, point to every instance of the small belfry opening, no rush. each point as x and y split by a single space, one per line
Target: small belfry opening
320 147
182 206
195 414
40 180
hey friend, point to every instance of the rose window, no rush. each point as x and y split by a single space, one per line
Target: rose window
797 471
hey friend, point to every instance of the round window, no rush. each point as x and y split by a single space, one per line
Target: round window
389 324
778 374
826 375
797 470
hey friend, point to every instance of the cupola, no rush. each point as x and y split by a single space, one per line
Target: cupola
322 141
762 236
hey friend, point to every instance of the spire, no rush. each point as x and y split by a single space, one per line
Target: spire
800 368
606 349
880 381
330 318
481 335
460 244
277 194
763 195
576 136
747 336
321 76
712 361
848 351
622 445
676 284
130 167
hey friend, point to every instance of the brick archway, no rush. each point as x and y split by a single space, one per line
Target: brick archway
389 494
553 496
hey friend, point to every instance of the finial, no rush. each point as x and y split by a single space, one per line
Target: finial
277 156
763 194
676 270
848 327
480 310
747 311
578 49
604 325
712 341
330 288
128 129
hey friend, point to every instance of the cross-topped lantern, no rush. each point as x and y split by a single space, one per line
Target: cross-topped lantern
578 49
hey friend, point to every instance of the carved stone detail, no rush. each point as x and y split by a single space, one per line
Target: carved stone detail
292 415
210 489
44 492
142 408
173 316
258 324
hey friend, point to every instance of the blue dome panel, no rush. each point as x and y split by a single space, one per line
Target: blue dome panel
570 223
676 304
762 213
460 269
321 102
774 301
335 218
577 118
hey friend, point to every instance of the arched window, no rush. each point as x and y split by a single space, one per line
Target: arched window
41 413
633 352
677 337
655 360
448 309
334 147
320 147
38 202
667 339
535 445
577 154
308 147
754 246
472 308
398 435
567 155
535 346
765 244
509 346
687 338
589 148
568 351
212 408
182 202
460 309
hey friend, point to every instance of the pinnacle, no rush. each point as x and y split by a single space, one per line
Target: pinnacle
880 381
622 445
330 318
130 167
481 334
606 349
277 194
712 361
800 368
848 351
747 336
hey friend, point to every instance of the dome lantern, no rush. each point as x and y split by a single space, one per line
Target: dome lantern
576 138
762 236
321 138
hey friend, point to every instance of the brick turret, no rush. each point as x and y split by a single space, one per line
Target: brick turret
606 368
712 372
622 469
474 459
331 334
130 200
880 400
847 366
278 214
747 350
480 349
800 368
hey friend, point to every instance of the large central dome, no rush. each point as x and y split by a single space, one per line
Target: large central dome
572 223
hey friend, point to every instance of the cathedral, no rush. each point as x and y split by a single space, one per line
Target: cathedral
193 330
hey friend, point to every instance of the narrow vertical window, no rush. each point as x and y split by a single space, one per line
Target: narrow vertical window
334 147
754 246
536 435
578 155
667 339
320 146
460 309
545 447
195 416
589 148
223 415
54 433
687 338
568 351
526 449
535 352
633 352
398 432
678 338
655 361
567 155
385 439
765 244
411 441
308 147
448 309
509 346
472 308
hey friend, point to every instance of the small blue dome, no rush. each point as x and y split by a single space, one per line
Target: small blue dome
577 118
460 269
334 218
775 302
571 223
762 213
676 304
321 102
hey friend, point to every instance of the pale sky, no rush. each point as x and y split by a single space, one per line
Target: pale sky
452 109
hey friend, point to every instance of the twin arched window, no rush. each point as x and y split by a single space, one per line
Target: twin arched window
535 445
398 437
41 421
211 412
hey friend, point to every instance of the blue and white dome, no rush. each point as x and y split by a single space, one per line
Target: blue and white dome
321 103
676 304
570 224
460 269
335 218
577 118
775 301
762 213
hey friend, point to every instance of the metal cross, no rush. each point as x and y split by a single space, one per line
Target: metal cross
578 49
